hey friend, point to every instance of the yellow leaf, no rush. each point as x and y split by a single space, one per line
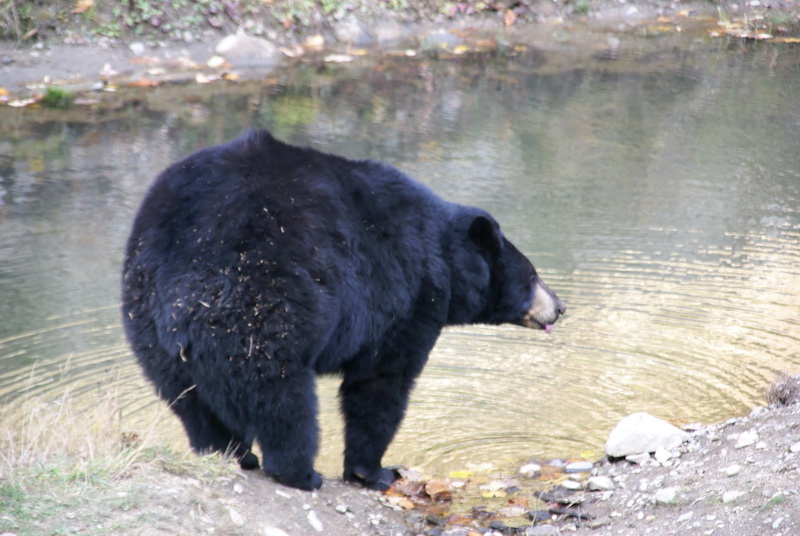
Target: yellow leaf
81 6
491 494
461 475
460 49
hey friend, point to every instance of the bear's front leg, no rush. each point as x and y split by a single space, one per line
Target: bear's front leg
373 409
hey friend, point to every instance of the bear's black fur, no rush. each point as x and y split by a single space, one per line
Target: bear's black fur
255 265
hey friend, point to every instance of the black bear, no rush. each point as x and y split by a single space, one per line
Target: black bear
255 265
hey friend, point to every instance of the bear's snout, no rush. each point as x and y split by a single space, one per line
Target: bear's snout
545 308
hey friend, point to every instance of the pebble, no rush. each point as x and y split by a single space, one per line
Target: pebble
795 448
341 508
730 496
599 483
530 470
578 467
662 455
541 530
137 48
571 485
273 531
746 439
238 488
685 517
236 518
314 521
638 459
733 470
666 495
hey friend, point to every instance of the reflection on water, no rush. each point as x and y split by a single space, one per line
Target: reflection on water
658 194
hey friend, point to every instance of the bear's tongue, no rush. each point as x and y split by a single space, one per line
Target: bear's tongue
548 328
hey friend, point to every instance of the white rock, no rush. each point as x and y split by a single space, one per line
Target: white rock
662 455
530 470
236 518
137 48
571 485
578 467
795 448
273 531
314 521
638 459
666 495
777 523
599 483
238 488
241 49
641 432
542 530
733 470
685 517
730 496
746 439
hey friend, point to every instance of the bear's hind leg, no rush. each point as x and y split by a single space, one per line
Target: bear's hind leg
208 434
287 418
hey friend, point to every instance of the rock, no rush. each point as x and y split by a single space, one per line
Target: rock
541 530
236 518
662 455
638 459
352 31
641 432
599 483
571 485
732 470
795 448
314 521
530 470
730 496
243 50
341 508
273 531
666 495
578 467
746 439
137 48
686 517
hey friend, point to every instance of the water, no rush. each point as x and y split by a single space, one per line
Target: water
658 192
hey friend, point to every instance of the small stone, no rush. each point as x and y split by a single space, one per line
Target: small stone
746 439
530 470
777 523
273 531
685 517
571 485
238 488
341 508
578 467
638 459
662 455
542 530
599 483
730 496
795 448
733 470
236 518
666 495
137 48
314 521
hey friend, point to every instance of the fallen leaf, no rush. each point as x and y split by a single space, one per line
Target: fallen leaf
509 17
81 6
460 49
462 475
491 494
438 489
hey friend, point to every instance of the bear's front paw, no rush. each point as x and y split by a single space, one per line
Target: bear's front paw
379 480
305 481
248 462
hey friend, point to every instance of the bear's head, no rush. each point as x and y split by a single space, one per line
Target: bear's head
510 290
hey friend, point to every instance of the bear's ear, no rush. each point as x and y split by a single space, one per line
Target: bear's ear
483 233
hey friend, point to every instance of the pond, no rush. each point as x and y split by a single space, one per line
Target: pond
655 185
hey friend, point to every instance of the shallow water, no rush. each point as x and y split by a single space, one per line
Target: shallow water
656 189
